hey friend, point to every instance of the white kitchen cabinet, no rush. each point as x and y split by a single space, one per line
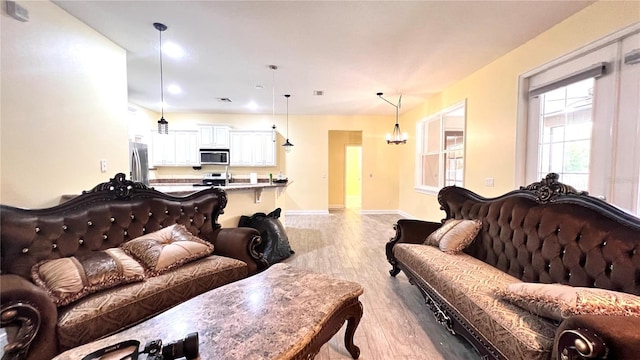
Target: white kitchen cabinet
251 148
163 149
214 136
177 148
187 148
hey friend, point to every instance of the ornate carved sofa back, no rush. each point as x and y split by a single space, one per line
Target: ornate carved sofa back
101 218
550 235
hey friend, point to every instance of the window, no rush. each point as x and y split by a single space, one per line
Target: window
564 142
440 150
581 120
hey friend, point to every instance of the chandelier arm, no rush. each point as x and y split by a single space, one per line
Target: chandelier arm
390 103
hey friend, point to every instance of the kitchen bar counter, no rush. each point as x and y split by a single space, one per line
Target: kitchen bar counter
182 189
243 198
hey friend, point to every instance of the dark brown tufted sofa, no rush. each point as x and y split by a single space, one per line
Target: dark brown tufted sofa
105 217
547 233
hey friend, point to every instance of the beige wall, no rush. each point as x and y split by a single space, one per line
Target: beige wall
491 94
63 107
337 142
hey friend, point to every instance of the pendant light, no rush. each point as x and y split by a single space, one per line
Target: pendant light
288 146
163 125
397 137
273 101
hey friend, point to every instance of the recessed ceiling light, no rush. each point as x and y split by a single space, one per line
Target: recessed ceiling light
224 99
174 89
259 87
252 105
318 92
172 50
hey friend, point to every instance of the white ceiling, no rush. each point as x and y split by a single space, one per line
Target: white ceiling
349 49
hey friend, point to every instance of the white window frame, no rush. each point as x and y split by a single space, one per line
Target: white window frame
439 116
602 183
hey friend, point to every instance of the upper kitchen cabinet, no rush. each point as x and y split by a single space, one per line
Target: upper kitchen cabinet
214 136
187 150
177 148
252 148
163 149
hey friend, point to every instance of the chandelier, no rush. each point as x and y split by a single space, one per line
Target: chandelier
397 137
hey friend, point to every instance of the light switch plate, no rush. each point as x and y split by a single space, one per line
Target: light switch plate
103 165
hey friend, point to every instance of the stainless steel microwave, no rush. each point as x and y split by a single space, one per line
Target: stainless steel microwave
214 157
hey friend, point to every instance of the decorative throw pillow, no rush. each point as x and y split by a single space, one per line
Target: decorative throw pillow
72 278
454 235
167 248
557 301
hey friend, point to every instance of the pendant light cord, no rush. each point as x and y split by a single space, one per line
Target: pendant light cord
287 96
273 101
161 79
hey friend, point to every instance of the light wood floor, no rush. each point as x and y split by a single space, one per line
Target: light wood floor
396 323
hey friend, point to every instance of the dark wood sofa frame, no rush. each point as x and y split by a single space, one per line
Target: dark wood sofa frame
103 217
603 241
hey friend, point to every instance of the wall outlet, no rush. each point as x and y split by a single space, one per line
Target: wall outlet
103 165
488 182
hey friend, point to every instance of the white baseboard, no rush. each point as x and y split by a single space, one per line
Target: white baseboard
406 215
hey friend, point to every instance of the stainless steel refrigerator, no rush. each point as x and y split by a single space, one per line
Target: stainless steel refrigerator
139 162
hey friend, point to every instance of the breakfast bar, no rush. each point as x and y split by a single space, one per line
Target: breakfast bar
244 198
281 313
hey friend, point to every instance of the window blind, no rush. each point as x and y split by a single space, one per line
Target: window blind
593 71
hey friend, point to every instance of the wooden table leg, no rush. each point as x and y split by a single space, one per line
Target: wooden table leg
353 319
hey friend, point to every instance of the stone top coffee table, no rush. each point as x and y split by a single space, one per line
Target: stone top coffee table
281 313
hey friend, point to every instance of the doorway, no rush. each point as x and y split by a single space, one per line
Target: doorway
353 177
345 169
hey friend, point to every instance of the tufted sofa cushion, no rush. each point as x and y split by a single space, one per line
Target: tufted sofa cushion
558 302
104 313
167 248
469 284
557 242
69 279
76 230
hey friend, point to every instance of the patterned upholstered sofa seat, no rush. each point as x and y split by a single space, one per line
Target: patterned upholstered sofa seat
41 322
546 233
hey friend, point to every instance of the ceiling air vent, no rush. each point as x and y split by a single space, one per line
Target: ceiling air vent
318 92
224 99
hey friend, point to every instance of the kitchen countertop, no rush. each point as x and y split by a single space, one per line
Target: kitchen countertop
185 189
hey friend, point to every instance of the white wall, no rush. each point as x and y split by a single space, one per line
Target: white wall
63 107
